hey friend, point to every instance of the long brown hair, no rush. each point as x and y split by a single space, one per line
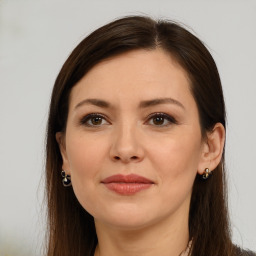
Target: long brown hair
71 229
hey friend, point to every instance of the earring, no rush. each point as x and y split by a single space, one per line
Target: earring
66 181
206 174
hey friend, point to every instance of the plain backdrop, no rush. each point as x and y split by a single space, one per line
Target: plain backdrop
35 39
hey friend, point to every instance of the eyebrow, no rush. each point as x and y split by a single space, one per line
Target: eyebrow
95 102
143 104
154 102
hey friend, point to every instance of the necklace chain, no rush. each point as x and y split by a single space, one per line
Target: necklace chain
187 251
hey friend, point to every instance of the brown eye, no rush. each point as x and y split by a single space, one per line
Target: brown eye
158 120
161 120
94 120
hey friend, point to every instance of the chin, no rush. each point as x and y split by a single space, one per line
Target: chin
127 217
125 224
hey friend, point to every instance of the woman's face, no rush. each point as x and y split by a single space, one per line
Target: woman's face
133 142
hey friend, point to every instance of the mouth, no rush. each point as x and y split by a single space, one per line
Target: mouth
127 184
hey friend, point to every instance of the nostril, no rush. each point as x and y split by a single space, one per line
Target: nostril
132 158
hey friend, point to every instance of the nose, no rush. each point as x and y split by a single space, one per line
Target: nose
126 145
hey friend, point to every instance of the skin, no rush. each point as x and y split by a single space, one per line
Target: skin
128 140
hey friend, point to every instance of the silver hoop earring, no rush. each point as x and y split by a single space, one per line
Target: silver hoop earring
207 173
66 181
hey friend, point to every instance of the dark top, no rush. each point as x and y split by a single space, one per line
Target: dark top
240 252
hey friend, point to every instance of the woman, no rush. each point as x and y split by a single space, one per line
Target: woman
136 129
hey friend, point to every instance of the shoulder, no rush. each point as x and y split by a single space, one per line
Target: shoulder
241 252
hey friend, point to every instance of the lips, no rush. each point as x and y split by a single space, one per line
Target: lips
127 184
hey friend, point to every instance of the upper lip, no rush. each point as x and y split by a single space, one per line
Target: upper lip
131 178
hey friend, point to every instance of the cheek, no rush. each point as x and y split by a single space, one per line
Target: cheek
177 158
176 161
85 158
84 155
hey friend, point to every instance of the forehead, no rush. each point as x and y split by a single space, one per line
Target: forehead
135 75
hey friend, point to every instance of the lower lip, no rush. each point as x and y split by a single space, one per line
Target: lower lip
127 188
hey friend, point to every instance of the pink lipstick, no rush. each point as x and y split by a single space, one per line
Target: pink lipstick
127 184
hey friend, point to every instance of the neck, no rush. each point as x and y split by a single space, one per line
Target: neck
154 239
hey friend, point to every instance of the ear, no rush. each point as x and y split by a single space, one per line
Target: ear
60 137
212 149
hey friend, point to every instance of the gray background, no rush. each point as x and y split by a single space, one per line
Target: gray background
35 39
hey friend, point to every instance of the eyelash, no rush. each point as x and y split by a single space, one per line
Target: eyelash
84 120
89 117
170 119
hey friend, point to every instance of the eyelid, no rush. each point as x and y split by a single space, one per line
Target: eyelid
168 117
84 119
